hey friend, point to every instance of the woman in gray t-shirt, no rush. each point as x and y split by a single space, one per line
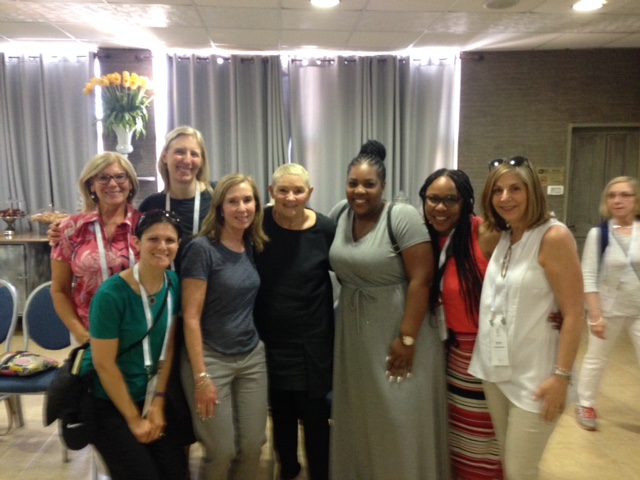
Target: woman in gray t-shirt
224 371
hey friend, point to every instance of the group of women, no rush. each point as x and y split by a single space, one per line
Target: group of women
451 318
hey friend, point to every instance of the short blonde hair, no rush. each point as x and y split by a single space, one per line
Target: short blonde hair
291 169
633 183
536 211
96 165
214 221
203 175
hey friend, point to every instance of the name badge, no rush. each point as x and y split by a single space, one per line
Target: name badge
499 345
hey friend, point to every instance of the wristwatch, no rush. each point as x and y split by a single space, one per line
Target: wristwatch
407 340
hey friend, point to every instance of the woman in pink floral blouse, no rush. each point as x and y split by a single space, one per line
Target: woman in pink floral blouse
96 243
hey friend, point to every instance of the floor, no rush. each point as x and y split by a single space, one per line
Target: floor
33 452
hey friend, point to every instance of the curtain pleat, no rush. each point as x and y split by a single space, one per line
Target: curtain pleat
336 105
236 102
46 128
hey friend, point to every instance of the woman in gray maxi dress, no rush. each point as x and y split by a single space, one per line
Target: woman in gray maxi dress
384 428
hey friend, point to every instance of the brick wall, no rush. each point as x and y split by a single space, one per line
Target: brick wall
523 103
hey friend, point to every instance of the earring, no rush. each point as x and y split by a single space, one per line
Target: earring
93 196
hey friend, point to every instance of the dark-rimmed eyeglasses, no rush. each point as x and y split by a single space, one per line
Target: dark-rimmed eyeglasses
516 161
152 217
104 178
448 201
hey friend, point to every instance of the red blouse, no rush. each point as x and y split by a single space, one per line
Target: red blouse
78 246
458 318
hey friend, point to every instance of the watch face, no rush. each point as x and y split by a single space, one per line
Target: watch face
407 340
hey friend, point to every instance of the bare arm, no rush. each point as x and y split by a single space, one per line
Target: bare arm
156 410
105 353
418 267
194 292
61 279
559 258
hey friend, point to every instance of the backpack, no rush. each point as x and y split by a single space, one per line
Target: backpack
604 236
392 237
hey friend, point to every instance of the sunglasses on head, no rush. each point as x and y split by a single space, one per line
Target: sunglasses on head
516 161
157 216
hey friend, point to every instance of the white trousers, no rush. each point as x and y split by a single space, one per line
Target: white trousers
522 435
597 356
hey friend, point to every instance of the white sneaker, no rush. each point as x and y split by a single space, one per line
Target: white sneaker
586 417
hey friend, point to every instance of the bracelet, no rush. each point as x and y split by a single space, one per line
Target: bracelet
593 324
200 385
561 372
200 375
160 395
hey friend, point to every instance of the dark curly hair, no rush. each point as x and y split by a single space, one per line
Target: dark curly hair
460 246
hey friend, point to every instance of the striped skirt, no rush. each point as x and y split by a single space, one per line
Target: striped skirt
475 453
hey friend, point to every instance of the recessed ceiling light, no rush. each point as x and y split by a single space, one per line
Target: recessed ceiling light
500 4
324 3
588 5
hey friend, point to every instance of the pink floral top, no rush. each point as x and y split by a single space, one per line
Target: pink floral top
79 246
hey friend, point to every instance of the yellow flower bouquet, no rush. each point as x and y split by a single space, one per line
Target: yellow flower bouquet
124 100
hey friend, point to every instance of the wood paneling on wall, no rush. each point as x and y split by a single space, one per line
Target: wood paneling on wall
522 103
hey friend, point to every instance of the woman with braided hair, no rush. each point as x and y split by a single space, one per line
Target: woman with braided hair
461 255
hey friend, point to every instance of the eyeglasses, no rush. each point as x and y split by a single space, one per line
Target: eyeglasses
104 179
448 201
147 219
622 195
516 161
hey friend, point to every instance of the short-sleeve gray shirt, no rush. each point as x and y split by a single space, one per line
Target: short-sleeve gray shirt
232 286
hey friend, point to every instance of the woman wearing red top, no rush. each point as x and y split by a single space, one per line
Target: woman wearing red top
97 243
462 254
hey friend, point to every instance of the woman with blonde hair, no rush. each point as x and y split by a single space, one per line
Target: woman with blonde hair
184 167
525 363
611 268
224 369
96 243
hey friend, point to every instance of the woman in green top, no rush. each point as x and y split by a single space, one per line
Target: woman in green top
131 327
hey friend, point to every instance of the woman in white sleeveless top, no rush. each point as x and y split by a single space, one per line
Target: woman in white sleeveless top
524 361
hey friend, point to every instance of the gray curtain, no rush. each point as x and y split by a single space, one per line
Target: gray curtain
338 103
46 128
237 104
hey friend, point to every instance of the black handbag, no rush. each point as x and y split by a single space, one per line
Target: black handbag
69 396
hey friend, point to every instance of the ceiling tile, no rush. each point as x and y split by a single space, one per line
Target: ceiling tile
246 18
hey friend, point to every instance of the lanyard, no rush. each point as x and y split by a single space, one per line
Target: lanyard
196 209
103 254
147 313
443 258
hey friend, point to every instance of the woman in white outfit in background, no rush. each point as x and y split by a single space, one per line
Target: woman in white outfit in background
612 286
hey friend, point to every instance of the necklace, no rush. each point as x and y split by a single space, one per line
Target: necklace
622 226
505 262
152 298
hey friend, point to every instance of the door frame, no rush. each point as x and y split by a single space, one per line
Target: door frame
570 128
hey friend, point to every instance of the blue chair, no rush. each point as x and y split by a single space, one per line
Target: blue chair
8 320
40 323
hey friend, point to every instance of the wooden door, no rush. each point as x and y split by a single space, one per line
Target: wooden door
598 154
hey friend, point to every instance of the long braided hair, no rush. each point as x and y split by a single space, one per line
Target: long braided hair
460 246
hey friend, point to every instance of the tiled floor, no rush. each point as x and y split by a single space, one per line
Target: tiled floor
613 452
